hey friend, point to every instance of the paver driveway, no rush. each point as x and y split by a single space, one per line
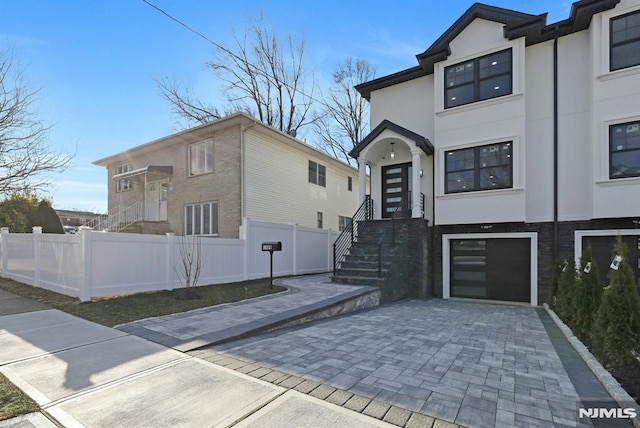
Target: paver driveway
475 364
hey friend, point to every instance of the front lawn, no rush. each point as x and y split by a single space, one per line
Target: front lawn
123 309
13 402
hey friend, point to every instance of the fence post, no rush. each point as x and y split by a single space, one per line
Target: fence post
4 249
329 252
295 249
37 234
247 240
169 264
85 259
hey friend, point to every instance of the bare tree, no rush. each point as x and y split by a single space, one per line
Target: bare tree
343 122
262 76
25 158
189 265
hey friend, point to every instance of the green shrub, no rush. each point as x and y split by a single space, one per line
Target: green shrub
617 324
552 299
566 292
587 295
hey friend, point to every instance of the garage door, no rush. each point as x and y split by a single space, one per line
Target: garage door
493 269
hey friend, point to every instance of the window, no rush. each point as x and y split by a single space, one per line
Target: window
343 222
317 174
201 158
349 184
479 168
201 219
126 183
320 220
625 41
624 150
479 79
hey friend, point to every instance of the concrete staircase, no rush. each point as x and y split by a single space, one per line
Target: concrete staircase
363 265
147 227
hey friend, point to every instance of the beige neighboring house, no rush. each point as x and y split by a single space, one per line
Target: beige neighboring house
207 179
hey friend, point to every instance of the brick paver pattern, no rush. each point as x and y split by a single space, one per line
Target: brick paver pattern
473 364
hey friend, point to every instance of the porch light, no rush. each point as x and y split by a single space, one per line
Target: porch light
421 173
393 154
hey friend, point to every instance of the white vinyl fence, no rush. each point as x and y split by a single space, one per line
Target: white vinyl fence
94 264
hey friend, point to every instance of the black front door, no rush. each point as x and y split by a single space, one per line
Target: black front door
396 186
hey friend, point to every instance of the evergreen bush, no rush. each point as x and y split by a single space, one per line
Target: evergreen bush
617 324
566 291
587 295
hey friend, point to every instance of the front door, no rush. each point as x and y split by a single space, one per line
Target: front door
162 201
396 187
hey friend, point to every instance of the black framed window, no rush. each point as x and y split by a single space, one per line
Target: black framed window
624 150
479 168
349 184
482 78
624 41
317 174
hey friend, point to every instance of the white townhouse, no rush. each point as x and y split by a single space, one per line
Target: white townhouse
207 180
522 140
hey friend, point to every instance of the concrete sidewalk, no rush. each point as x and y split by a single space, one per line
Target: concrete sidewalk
308 297
83 374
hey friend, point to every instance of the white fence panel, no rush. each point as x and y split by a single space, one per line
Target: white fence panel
21 258
258 260
223 260
312 253
60 268
128 263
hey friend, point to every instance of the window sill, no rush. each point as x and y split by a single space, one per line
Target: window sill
618 182
625 72
479 104
480 193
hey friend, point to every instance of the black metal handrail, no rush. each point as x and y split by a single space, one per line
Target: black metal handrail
350 233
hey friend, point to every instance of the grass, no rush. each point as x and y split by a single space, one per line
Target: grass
123 309
13 402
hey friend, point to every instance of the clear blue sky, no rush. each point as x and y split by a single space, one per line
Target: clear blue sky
97 60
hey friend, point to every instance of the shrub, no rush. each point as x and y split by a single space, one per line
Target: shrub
566 291
617 324
587 296
553 287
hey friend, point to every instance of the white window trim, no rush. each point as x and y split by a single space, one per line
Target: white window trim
517 78
579 234
446 258
603 73
517 166
602 178
119 182
205 142
202 203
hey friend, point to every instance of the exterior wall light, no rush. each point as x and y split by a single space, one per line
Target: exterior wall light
393 154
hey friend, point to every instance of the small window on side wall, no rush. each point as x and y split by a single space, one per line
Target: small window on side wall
201 158
624 49
320 222
624 150
126 183
317 174
350 184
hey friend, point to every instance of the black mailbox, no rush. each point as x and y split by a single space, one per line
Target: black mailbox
272 246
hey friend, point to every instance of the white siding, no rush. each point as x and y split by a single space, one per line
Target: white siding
277 184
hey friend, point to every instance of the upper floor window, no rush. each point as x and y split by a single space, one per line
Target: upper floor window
125 183
479 79
624 153
479 168
317 174
349 184
201 219
201 157
625 41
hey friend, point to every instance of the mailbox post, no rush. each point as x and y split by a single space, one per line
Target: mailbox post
271 247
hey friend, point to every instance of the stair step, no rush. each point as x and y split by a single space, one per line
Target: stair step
356 280
360 272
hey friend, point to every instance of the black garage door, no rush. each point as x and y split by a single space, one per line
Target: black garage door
493 269
602 247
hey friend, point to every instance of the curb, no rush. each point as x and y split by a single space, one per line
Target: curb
609 382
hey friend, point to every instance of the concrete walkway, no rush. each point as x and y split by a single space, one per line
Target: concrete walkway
83 374
308 297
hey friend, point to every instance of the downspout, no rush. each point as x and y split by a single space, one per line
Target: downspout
432 256
555 146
